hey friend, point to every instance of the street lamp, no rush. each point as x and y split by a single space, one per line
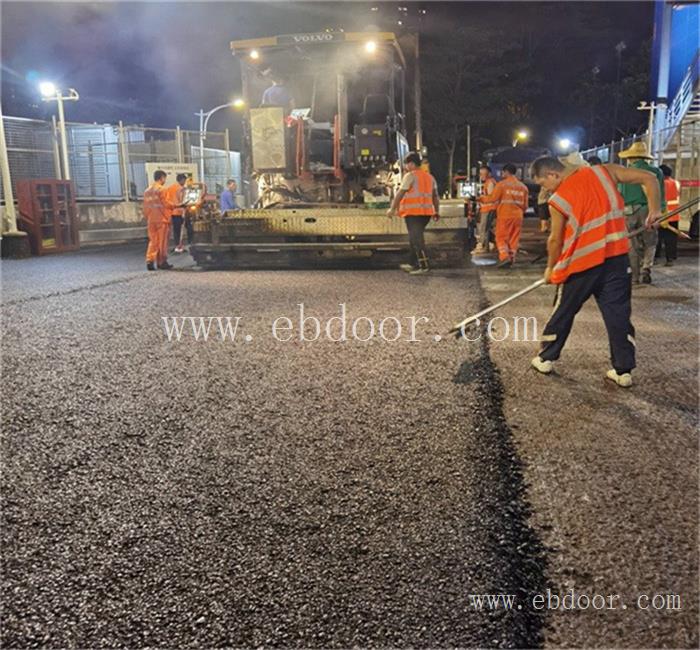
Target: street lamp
371 47
520 136
49 93
564 144
203 121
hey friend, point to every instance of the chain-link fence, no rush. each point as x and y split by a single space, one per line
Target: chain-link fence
32 149
108 162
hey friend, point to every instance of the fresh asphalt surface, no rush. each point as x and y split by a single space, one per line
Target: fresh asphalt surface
253 492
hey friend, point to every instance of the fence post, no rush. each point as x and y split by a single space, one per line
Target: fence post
178 142
124 161
56 154
91 168
227 146
10 214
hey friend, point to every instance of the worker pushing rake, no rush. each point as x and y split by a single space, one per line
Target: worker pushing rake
587 255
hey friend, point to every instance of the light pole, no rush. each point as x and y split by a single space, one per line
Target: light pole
619 49
651 107
50 93
520 136
203 121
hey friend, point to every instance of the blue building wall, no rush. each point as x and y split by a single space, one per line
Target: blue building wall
685 39
685 32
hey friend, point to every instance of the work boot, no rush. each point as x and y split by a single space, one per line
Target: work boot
150 266
408 268
179 249
545 367
478 250
646 276
504 264
165 266
624 380
669 262
423 266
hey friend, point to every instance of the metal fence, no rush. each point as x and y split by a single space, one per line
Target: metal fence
683 148
682 153
107 162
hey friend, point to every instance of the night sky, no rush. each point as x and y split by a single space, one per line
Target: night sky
158 63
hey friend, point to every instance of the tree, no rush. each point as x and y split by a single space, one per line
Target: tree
456 92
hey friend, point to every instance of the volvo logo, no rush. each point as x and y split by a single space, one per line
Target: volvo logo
312 38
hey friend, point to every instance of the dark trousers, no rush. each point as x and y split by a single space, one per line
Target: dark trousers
611 284
416 226
669 241
177 228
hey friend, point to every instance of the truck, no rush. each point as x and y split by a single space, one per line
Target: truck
322 168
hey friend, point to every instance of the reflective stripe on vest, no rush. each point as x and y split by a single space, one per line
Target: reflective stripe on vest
153 206
592 233
488 186
513 201
418 201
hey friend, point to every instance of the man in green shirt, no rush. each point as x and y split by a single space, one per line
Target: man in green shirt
643 246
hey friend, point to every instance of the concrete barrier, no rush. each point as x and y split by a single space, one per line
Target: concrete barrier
110 215
96 236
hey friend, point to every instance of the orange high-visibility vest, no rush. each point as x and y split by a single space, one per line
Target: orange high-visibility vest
673 197
510 197
595 222
172 194
418 201
154 205
487 188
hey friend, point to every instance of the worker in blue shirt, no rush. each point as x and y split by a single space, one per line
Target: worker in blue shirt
228 197
278 94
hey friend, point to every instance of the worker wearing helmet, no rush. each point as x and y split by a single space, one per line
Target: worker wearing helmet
416 202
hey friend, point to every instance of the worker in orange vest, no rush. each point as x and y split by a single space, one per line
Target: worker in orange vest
510 197
173 194
588 256
487 211
416 202
667 238
157 212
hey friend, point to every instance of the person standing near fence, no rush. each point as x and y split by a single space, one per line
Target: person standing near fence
174 195
668 239
157 212
191 210
643 246
228 197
